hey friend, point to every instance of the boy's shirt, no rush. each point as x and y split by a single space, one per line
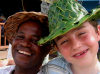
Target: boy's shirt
57 66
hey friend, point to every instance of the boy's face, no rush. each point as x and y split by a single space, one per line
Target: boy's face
79 46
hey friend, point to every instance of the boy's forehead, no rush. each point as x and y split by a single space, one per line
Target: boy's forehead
71 31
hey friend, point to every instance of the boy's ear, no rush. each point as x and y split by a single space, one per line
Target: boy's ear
55 46
98 27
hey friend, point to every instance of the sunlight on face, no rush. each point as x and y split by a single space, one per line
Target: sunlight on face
79 45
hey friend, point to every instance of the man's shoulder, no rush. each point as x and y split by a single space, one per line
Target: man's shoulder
7 69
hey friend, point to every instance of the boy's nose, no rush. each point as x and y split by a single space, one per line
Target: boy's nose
76 44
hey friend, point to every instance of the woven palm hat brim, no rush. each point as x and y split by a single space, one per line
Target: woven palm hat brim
12 23
65 15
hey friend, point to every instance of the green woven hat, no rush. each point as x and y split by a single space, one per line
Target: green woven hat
65 15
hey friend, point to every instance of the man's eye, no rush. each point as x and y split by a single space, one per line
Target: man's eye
64 42
34 41
82 33
19 37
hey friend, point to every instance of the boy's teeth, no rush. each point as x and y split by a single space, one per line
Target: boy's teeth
78 54
84 51
23 52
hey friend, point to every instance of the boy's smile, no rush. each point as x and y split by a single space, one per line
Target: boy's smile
79 45
80 54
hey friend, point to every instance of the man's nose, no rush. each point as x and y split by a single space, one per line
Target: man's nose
26 43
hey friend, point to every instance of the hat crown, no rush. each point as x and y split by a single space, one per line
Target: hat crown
64 12
65 15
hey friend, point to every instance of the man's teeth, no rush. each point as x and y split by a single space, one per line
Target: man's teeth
23 52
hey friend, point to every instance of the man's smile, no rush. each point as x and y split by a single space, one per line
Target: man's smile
24 52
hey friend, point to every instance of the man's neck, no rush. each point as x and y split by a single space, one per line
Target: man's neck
26 71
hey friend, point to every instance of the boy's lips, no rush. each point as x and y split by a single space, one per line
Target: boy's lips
80 53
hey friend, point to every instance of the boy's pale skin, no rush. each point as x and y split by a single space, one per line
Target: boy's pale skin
79 47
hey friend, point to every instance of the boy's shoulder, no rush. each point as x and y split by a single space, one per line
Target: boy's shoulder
7 69
57 65
59 61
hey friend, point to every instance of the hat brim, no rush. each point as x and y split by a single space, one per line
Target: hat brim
13 21
95 14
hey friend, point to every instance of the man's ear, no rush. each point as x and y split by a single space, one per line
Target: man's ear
98 27
12 39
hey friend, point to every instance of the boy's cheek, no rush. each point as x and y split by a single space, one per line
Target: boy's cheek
64 47
91 41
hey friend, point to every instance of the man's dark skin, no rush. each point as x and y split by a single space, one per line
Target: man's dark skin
28 56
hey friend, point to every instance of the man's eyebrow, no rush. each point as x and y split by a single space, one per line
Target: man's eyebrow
20 32
35 36
32 35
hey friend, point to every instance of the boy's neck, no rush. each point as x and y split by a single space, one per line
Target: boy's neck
94 68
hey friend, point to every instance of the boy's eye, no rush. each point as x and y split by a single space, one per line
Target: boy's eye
63 42
82 33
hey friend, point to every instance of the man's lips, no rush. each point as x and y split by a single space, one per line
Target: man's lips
80 53
24 52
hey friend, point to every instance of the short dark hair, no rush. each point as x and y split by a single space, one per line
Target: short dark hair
94 23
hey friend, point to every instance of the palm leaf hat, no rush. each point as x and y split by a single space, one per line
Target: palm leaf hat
64 15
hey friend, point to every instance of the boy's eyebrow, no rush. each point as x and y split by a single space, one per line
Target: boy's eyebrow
59 37
80 27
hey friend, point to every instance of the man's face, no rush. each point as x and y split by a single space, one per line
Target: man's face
79 46
25 51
